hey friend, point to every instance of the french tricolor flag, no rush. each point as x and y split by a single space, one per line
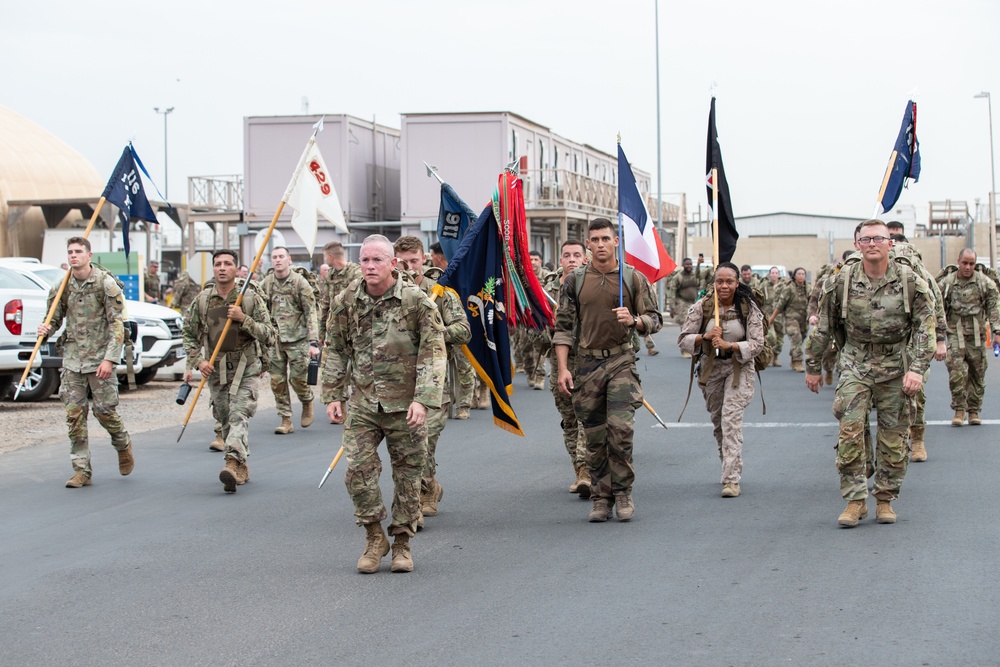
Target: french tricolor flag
643 249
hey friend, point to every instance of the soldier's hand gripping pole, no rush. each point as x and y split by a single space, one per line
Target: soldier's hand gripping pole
340 452
653 412
55 303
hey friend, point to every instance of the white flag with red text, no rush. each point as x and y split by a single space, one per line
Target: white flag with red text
310 193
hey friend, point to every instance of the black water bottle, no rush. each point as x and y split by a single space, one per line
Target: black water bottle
182 393
314 370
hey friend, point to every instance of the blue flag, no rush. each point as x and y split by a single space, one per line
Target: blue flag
475 275
454 218
905 160
124 190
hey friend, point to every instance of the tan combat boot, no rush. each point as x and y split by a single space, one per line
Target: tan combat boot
78 480
229 476
828 378
125 460
959 418
601 511
429 500
652 351
376 547
402 559
582 481
462 413
883 512
218 445
797 367
242 473
974 419
730 490
775 363
286 426
624 507
856 511
307 415
918 452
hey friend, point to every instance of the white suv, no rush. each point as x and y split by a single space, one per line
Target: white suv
159 327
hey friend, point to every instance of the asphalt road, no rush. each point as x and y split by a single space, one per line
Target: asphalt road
163 568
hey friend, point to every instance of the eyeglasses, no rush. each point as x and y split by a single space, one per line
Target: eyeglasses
868 240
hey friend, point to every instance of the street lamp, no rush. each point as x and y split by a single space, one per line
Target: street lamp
166 183
993 188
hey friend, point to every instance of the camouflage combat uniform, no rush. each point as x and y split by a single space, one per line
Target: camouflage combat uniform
825 272
394 345
969 305
457 332
793 303
336 282
465 373
185 291
235 384
534 346
776 334
573 435
607 384
882 333
151 285
94 333
726 394
290 302
682 291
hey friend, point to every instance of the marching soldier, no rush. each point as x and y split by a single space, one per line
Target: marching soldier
793 304
605 387
234 380
185 291
292 305
340 275
882 315
92 305
825 271
771 287
410 253
391 337
970 301
683 287
151 282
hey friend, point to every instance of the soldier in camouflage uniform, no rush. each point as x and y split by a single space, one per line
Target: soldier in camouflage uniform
472 392
92 306
825 272
606 384
392 337
683 286
726 354
793 303
457 332
534 344
884 325
572 255
291 303
771 288
151 282
340 275
970 302
234 379
185 291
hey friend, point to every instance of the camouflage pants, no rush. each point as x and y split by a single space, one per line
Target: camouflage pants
607 393
363 431
726 405
796 328
234 412
853 403
573 435
466 380
73 392
437 418
534 346
517 347
830 357
966 374
290 365
648 338
680 309
778 328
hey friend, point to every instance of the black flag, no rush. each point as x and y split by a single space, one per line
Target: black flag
727 224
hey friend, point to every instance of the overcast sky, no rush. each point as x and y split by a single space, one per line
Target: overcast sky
810 95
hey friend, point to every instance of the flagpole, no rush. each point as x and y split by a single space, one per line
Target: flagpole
253 268
55 303
885 183
621 238
715 234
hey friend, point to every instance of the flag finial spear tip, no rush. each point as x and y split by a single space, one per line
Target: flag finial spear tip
619 138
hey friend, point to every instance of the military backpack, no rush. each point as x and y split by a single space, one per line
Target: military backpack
264 349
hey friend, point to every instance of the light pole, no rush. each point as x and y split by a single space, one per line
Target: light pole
166 182
993 186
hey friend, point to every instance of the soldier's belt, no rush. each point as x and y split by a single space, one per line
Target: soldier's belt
882 348
605 353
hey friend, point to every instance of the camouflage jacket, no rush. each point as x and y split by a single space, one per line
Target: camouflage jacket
771 291
882 331
683 285
457 331
906 250
825 272
185 291
793 301
93 310
394 345
206 315
292 305
336 282
969 304
151 285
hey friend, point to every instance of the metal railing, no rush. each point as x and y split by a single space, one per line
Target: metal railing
216 193
567 190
